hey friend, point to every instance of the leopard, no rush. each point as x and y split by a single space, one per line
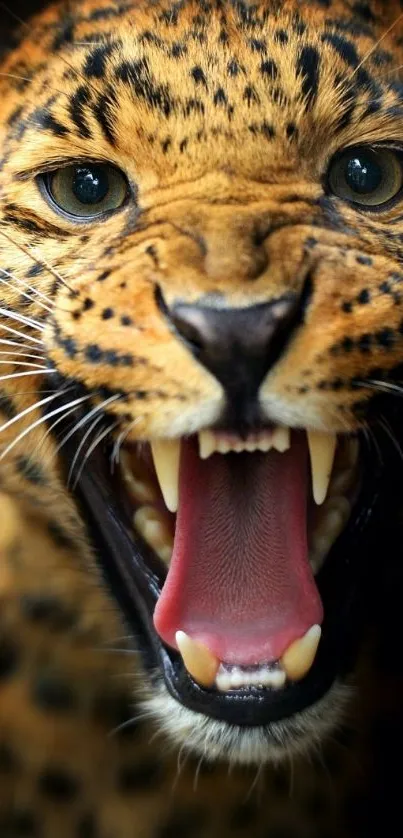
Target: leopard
201 317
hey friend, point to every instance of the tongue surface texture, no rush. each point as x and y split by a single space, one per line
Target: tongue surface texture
239 579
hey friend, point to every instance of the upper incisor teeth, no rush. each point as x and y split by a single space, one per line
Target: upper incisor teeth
281 439
322 447
166 455
211 442
206 444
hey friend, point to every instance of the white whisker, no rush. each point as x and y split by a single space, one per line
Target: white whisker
376 45
389 432
18 344
92 448
14 354
114 459
12 363
28 410
20 334
39 371
86 419
52 427
40 421
29 297
88 433
383 386
30 287
38 261
26 321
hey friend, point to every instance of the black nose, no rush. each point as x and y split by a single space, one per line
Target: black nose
238 346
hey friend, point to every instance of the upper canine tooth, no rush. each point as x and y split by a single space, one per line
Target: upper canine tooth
201 664
166 455
299 657
322 447
281 439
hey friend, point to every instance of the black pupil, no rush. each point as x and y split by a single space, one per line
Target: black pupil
90 184
363 174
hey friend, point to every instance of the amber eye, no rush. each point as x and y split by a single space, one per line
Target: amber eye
369 177
86 190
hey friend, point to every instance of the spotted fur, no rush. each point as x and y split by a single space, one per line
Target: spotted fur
224 117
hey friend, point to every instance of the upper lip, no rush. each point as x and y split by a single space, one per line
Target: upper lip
135 577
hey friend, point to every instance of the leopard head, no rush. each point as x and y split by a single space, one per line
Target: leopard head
204 201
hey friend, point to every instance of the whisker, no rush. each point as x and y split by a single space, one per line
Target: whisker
376 45
40 421
383 387
23 294
92 448
20 334
372 442
34 290
390 71
17 343
26 78
383 422
15 354
38 261
29 409
13 15
40 371
12 363
140 717
86 419
114 458
62 58
26 321
88 433
52 427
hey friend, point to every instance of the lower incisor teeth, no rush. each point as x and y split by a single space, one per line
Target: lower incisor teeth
236 677
206 669
140 489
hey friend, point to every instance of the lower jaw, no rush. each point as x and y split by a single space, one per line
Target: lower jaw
134 576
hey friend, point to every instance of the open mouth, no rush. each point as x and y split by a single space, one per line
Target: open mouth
242 527
236 562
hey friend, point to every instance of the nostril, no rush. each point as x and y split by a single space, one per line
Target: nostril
188 333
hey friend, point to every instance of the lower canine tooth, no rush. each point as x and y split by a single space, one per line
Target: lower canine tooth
299 657
165 553
223 682
154 530
142 491
201 664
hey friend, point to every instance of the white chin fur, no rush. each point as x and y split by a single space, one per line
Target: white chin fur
214 740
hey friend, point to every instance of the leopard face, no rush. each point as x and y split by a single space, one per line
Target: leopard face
201 227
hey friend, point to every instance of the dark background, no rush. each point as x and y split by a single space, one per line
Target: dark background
18 9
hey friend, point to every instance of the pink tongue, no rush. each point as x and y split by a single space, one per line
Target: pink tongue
239 579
